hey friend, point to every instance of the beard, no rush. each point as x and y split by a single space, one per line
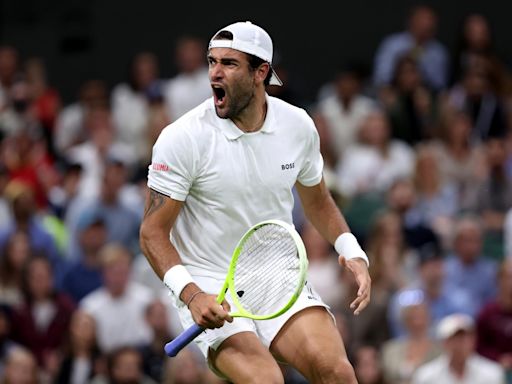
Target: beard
238 100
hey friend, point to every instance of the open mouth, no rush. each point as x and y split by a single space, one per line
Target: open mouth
219 94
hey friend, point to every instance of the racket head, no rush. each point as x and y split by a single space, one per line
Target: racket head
268 270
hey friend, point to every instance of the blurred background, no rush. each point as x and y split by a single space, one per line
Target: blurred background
413 105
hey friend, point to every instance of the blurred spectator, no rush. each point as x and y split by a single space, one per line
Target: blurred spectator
121 221
401 198
70 127
191 85
21 368
459 363
470 277
418 42
461 161
369 328
494 322
153 354
288 91
41 323
401 356
130 102
436 198
187 368
100 147
5 211
393 264
474 95
429 288
61 196
476 46
15 254
494 196
124 367
84 272
376 161
81 353
339 115
507 231
6 344
411 106
323 269
27 220
45 100
9 62
367 366
118 307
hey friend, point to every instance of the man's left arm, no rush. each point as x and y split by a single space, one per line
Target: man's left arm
322 212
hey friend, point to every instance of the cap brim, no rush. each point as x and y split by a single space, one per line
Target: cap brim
274 79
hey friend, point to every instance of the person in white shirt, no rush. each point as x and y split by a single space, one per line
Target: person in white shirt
118 308
459 364
224 166
191 85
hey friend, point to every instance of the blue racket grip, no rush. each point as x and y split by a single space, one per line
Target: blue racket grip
173 347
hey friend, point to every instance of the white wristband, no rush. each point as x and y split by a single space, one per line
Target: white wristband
347 246
176 278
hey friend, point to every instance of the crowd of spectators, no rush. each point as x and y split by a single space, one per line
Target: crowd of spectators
418 155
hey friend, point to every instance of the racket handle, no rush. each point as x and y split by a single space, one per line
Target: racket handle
181 341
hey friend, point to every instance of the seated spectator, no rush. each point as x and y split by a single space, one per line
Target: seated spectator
429 287
21 367
70 126
6 343
474 95
84 272
124 367
459 362
419 42
494 322
367 366
461 161
436 199
9 70
411 106
470 276
118 308
153 354
323 269
339 115
476 45
376 161
403 355
131 99
15 254
41 323
191 85
81 354
187 368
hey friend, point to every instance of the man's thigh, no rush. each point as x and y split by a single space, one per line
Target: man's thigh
310 341
242 358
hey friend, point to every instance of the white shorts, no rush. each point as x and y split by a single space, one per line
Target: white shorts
266 330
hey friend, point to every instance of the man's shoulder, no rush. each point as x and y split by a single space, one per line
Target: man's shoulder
429 371
292 114
490 369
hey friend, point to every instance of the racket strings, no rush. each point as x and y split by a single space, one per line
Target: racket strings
267 270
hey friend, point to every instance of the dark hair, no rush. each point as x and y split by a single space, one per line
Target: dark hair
254 61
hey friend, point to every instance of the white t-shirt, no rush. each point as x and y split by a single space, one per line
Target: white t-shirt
231 180
478 370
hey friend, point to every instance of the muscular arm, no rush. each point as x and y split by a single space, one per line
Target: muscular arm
160 213
322 212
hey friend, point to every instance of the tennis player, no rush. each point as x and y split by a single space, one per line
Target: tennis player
226 165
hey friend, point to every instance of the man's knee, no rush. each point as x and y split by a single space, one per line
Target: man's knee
339 371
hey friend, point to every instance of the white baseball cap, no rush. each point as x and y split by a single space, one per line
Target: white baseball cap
251 39
451 324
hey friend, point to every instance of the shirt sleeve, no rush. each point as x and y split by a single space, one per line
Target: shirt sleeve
312 169
173 163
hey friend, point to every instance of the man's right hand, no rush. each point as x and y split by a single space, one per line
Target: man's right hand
207 313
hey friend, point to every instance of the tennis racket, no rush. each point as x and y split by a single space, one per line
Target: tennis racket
265 277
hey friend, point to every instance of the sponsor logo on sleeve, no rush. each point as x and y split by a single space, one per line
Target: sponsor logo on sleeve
160 167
